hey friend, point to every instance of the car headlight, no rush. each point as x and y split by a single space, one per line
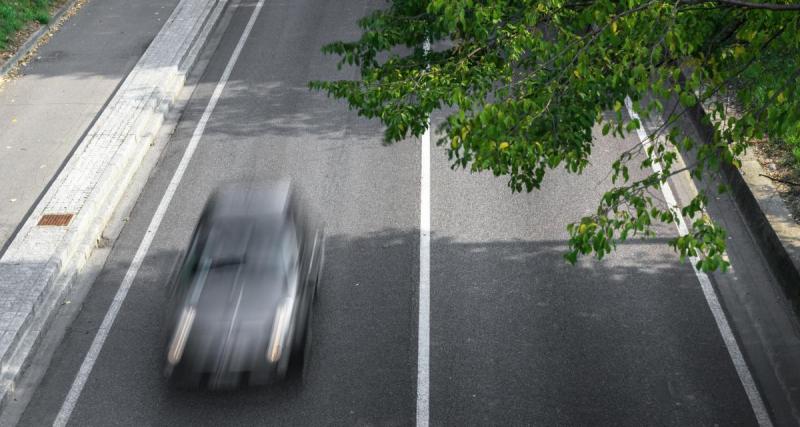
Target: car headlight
181 334
280 328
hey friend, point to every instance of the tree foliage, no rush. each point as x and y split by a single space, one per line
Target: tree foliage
528 80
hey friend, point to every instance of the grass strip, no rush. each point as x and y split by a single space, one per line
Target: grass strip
16 14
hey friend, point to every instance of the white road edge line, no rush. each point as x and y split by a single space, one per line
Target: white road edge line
760 411
108 321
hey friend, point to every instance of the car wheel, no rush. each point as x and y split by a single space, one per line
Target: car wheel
319 272
307 346
181 378
298 361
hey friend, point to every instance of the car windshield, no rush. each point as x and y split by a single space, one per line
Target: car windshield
262 247
227 244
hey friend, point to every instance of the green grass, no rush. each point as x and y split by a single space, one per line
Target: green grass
15 14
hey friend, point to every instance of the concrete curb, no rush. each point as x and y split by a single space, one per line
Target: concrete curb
764 211
42 261
26 47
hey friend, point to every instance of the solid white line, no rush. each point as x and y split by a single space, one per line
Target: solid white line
760 411
108 321
424 321
423 334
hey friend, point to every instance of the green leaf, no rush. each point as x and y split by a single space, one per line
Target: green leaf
518 100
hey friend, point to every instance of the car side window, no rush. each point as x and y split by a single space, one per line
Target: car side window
289 253
191 261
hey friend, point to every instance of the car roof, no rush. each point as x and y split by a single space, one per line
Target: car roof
254 200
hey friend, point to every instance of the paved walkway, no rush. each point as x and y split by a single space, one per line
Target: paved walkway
44 113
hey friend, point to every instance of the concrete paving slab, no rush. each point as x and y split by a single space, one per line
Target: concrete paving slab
46 110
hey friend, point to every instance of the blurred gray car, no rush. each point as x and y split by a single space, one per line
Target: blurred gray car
241 299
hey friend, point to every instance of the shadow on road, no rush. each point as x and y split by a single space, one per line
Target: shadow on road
610 340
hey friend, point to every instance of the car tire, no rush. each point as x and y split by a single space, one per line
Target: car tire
182 379
298 361
307 346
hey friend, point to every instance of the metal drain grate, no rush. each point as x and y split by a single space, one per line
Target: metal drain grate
58 220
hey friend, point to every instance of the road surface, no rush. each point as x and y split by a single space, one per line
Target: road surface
517 336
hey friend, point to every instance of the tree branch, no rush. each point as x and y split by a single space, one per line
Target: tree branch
780 180
753 5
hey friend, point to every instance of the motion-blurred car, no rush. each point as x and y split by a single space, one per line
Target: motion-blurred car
241 299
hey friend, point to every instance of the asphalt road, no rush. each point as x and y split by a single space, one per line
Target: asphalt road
517 335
